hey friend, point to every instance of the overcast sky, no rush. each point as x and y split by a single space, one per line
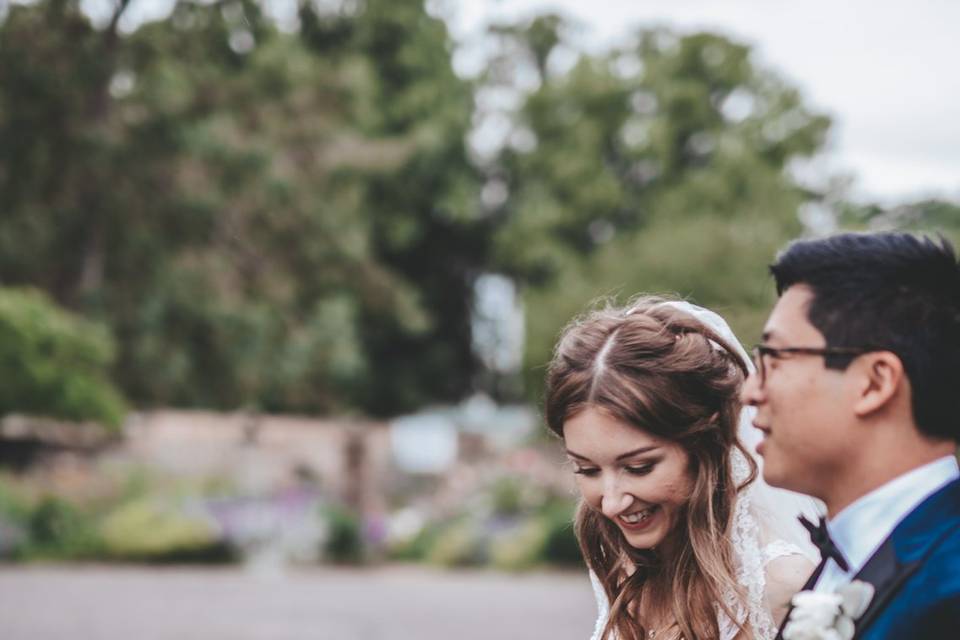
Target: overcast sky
885 70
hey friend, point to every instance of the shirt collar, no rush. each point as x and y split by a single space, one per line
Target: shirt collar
860 528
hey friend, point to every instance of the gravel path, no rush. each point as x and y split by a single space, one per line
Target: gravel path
397 603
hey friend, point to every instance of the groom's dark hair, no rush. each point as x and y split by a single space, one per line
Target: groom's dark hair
888 291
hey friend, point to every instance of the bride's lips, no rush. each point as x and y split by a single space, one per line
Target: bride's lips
641 525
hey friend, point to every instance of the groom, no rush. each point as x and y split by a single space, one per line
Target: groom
857 393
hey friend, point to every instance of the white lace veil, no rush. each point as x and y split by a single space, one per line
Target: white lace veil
765 518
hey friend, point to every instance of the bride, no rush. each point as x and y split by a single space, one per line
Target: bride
682 537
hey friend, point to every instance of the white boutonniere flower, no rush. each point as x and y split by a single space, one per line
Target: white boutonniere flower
828 616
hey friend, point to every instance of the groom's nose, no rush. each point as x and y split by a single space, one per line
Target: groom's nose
751 393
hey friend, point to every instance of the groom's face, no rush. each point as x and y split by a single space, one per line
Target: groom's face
802 407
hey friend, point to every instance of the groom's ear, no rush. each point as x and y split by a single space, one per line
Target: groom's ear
880 379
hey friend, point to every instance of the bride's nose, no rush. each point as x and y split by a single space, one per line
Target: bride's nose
614 500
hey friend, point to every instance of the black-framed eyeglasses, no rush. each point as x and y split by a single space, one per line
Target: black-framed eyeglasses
762 351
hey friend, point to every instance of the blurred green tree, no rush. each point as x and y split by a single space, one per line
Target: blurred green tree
276 220
291 219
930 216
425 223
54 364
662 166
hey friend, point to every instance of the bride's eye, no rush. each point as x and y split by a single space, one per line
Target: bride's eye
584 471
640 470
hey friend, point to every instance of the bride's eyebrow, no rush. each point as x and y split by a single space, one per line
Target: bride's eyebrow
622 456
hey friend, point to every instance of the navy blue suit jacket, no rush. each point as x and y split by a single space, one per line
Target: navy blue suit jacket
916 574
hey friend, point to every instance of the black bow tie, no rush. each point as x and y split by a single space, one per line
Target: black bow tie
821 538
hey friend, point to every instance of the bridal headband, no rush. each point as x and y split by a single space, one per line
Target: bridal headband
714 322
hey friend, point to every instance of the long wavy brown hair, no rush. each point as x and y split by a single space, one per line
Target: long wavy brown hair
653 366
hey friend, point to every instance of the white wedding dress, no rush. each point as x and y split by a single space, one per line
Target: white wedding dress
772 549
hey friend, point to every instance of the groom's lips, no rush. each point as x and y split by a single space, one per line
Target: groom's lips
766 434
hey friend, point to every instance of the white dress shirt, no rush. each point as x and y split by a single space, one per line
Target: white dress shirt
860 529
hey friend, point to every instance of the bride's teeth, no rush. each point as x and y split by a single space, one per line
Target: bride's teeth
639 516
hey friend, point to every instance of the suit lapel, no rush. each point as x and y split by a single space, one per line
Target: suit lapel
811 581
886 573
905 550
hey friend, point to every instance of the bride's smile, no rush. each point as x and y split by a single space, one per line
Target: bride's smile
639 521
639 516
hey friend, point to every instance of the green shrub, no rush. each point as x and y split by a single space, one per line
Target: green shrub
53 363
344 542
59 530
560 545
507 496
511 523
14 515
521 548
458 545
545 539
13 506
147 529
415 549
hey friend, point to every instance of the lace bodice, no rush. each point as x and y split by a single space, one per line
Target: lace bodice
760 616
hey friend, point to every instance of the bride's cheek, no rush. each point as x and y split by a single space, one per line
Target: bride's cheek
588 492
677 492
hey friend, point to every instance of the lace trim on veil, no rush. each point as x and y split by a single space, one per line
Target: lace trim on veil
750 566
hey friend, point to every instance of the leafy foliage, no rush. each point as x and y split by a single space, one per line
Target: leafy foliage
923 216
267 219
291 219
59 530
148 529
662 166
345 543
54 363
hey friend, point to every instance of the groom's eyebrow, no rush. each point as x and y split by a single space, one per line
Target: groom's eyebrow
622 456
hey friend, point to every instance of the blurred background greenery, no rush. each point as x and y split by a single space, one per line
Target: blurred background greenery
213 210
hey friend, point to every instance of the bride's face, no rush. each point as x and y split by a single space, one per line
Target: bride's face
637 480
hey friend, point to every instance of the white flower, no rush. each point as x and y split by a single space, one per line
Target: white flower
801 630
828 616
845 628
817 609
856 598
